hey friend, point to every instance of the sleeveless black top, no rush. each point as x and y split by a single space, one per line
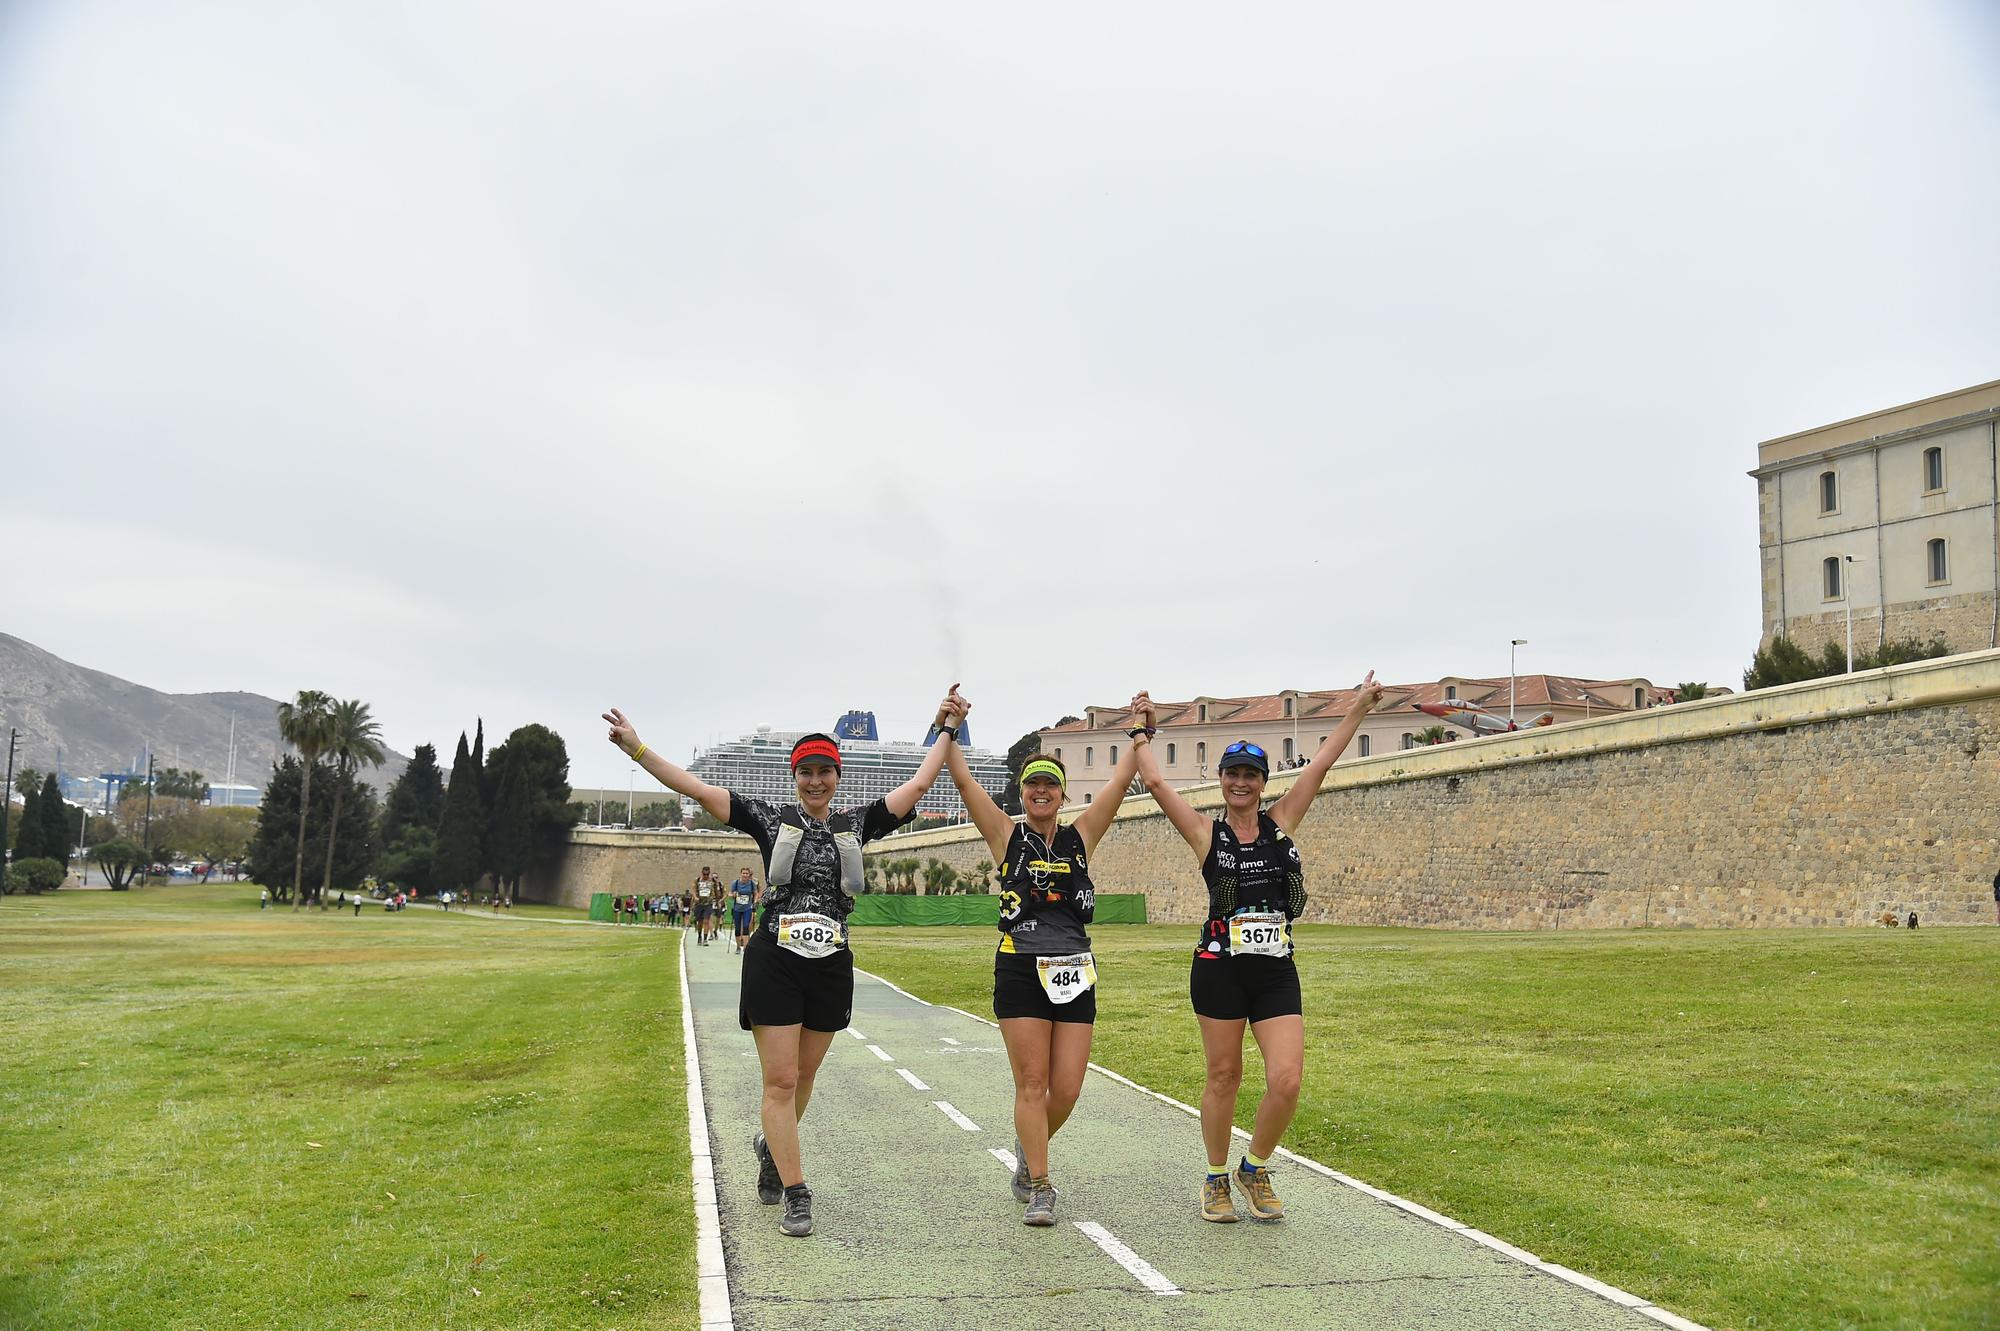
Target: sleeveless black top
1046 897
1264 875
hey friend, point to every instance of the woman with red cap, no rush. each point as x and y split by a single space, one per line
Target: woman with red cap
798 975
1243 973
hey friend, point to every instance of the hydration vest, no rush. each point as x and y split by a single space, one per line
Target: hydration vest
792 830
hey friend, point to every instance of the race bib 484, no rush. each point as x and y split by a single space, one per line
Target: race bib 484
1064 978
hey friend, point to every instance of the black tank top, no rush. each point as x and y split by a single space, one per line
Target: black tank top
1046 897
1265 875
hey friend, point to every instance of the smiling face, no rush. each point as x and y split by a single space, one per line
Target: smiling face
1242 788
816 782
1041 797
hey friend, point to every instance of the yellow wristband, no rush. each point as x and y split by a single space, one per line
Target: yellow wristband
638 753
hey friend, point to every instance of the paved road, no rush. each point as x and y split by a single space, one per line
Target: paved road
916 1227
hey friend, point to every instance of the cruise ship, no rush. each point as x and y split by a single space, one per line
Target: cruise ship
759 765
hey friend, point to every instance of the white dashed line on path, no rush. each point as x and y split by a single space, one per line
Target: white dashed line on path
911 1078
1141 1269
880 1053
944 1107
948 1040
856 1034
1004 1157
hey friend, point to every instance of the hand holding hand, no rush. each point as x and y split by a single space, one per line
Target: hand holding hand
956 706
622 734
1143 712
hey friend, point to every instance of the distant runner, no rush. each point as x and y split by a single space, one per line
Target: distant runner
742 909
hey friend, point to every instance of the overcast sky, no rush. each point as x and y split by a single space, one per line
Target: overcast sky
741 364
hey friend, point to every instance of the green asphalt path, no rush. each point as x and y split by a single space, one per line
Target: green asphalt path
915 1225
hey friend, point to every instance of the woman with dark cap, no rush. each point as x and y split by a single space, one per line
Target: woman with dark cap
798 976
1243 972
1044 977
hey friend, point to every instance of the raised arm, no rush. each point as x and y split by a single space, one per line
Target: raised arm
1291 808
1196 830
904 797
1095 820
677 779
992 821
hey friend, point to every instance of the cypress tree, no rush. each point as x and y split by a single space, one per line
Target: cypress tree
28 833
56 844
457 864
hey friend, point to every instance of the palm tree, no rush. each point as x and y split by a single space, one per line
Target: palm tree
982 874
306 723
353 738
1431 735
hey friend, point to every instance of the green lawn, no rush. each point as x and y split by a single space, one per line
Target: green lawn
1757 1129
221 1117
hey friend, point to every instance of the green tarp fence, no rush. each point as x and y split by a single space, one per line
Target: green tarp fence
600 906
1112 908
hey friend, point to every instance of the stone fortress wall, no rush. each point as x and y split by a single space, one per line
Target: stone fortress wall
1823 803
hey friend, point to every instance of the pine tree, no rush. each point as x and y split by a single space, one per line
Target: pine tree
274 849
28 832
56 843
457 863
416 799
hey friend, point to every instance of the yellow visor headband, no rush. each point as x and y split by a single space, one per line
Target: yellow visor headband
1042 767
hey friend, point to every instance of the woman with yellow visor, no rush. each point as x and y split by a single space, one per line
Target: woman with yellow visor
1044 977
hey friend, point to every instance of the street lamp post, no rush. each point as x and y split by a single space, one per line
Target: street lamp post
1513 646
1847 604
7 797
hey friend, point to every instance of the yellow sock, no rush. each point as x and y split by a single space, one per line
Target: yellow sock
1253 1161
1218 1171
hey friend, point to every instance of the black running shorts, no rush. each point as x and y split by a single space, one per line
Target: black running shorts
782 988
1244 988
1018 992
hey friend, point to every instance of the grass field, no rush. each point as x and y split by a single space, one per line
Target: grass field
1765 1129
221 1117
212 1116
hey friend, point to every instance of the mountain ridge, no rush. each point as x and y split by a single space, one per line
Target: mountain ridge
104 723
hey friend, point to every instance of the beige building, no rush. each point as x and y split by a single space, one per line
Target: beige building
1290 725
1888 517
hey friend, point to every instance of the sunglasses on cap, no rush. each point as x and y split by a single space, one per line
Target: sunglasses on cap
1245 746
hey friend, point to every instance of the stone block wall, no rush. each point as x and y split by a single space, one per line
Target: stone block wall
1825 803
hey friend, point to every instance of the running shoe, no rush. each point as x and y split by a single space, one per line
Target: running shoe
1041 1203
1215 1201
1022 1184
798 1221
1258 1194
770 1189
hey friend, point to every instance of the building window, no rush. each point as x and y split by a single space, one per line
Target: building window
1940 569
1830 574
1058 755
1089 754
1086 797
1829 492
1114 755
1364 746
1170 755
1451 693
1201 752
1288 750
1409 740
1638 699
1201 712
1288 707
1933 470
1322 741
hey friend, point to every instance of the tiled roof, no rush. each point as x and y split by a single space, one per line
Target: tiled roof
1530 691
